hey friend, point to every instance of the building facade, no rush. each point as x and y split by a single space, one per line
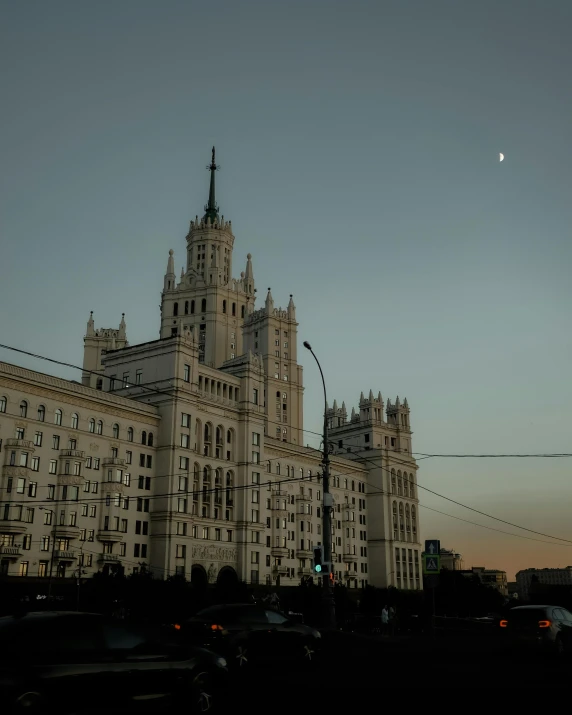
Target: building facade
545 577
451 560
185 455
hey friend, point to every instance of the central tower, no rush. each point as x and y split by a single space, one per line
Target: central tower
207 299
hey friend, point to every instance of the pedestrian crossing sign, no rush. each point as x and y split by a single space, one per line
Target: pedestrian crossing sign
431 564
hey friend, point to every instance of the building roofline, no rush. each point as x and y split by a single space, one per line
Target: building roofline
57 383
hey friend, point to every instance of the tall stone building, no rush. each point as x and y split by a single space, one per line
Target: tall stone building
185 455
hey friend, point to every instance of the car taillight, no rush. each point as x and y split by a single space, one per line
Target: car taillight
177 626
544 624
503 624
216 627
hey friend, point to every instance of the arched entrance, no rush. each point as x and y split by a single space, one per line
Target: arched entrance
199 577
227 578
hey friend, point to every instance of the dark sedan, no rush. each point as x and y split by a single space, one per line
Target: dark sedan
540 627
247 634
69 662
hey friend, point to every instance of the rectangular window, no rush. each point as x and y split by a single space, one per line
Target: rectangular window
256 457
56 441
229 535
122 549
53 468
128 457
21 488
90 535
23 459
147 484
255 396
149 461
32 489
182 505
185 438
184 463
255 496
38 439
254 557
256 537
88 463
255 516
92 510
141 460
181 528
256 439
23 568
187 373
181 552
35 464
205 532
185 420
183 484
138 377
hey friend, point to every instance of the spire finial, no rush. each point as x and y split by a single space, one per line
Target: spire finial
211 209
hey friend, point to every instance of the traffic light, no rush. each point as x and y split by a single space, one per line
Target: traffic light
318 558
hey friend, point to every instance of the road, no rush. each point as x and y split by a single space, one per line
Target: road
356 667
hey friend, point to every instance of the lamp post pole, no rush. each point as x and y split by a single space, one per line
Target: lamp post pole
329 606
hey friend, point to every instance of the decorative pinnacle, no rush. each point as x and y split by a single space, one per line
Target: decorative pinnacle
211 209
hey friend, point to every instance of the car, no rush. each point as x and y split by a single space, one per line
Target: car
247 635
540 627
68 661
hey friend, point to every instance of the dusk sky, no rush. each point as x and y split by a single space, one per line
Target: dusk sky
359 149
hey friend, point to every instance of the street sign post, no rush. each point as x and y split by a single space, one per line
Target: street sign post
431 564
433 547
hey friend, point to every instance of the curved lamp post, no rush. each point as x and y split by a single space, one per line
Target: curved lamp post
329 605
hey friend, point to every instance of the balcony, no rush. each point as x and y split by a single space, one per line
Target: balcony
112 462
13 527
108 558
22 443
76 453
10 552
67 532
303 498
279 570
350 558
108 535
305 572
350 574
280 552
304 554
64 555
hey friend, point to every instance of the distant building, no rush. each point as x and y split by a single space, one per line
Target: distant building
490 577
513 589
451 560
546 577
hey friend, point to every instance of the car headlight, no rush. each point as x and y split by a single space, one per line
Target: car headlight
221 662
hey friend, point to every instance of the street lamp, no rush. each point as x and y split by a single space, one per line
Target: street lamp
329 605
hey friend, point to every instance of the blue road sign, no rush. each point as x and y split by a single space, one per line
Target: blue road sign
433 547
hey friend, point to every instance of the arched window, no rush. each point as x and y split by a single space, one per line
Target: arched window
277 467
99 427
23 408
405 487
242 312
115 431
269 466
175 309
207 432
186 307
228 436
150 439
394 507
203 305
58 417
91 425
3 403
192 307
206 474
143 437
41 413
130 434
224 306
229 484
74 421
219 433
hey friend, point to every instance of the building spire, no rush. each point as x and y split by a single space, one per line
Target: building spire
211 209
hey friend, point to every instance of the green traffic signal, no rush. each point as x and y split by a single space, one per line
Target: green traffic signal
318 568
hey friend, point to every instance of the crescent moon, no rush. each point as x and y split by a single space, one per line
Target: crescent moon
501 157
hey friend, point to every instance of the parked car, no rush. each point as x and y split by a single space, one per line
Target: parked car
539 627
248 634
67 662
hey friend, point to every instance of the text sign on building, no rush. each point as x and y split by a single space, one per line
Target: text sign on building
431 564
433 546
